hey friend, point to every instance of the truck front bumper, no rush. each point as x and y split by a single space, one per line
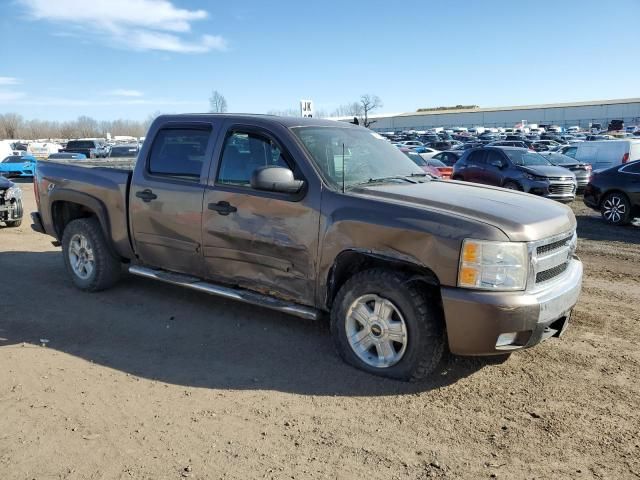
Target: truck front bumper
491 323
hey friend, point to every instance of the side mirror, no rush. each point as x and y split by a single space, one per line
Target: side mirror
275 179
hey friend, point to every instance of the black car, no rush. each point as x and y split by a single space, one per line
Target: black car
615 193
124 151
516 169
581 170
449 157
10 203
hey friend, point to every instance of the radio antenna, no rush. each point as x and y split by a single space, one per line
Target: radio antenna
343 167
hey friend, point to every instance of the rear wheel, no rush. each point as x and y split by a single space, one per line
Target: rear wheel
87 257
384 324
616 209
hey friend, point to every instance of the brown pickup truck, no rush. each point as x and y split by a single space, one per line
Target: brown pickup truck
308 216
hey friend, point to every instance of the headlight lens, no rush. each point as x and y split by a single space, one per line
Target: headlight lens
532 177
12 192
489 265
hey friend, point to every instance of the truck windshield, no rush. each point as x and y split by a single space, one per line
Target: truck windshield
363 154
525 158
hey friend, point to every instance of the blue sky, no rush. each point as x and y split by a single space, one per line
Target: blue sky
129 58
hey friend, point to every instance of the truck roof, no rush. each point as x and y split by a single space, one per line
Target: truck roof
285 121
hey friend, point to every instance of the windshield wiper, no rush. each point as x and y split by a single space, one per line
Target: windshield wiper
406 178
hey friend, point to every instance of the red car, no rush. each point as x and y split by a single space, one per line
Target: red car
435 168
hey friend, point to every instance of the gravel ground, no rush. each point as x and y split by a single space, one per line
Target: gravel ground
151 381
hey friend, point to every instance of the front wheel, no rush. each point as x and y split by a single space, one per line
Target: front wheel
511 186
87 257
382 323
18 213
616 209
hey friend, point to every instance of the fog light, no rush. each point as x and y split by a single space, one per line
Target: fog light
506 339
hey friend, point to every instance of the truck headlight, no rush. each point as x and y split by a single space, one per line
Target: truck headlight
489 265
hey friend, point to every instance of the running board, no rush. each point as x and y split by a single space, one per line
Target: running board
226 292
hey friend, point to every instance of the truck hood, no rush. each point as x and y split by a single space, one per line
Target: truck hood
546 171
521 216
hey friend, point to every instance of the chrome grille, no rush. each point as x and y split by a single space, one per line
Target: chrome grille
561 188
559 179
550 258
549 247
547 275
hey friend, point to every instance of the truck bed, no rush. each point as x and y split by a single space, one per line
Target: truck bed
103 182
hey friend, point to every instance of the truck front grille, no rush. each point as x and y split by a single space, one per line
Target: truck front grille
547 275
550 258
550 247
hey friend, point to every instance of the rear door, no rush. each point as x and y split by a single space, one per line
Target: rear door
265 241
493 175
474 170
166 197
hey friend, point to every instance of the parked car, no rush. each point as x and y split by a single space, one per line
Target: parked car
615 193
89 148
444 171
42 149
10 203
422 163
412 144
67 156
18 166
310 217
581 170
516 169
508 143
123 151
608 153
449 158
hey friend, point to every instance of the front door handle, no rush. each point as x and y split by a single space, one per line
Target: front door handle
146 195
223 208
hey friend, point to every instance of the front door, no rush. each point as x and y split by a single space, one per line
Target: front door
166 198
260 240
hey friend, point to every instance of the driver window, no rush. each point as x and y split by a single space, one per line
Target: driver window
493 156
245 152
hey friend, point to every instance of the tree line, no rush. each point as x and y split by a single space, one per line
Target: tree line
14 126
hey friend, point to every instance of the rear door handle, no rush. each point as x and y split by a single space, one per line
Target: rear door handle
146 195
223 208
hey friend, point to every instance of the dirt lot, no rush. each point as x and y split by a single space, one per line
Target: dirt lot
152 381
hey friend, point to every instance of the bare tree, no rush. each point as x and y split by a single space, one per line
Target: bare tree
10 125
217 102
369 103
353 109
86 127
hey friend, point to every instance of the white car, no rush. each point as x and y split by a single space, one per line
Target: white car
412 144
429 153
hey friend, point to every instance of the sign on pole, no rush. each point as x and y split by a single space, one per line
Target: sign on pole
306 108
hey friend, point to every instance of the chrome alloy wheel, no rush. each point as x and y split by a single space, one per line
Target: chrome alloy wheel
81 256
376 331
614 209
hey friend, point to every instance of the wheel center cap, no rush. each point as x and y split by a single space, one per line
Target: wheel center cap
376 330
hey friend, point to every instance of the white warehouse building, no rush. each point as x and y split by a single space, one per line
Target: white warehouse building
582 114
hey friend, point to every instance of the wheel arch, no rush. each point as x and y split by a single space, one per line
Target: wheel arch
349 262
69 205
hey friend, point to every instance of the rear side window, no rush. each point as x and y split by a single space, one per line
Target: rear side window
179 152
476 157
633 168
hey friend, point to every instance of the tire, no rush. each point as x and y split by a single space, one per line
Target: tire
511 186
19 213
83 240
423 335
616 209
